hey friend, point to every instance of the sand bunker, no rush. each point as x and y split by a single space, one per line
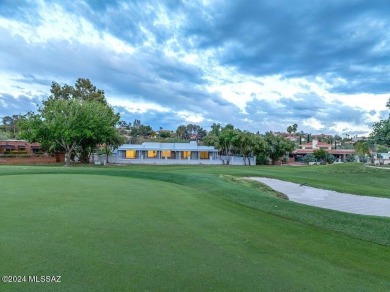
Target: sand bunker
329 199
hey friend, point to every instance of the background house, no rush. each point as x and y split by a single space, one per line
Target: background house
173 153
19 147
306 148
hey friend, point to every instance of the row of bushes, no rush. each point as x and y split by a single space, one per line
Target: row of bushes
16 152
329 158
27 160
22 155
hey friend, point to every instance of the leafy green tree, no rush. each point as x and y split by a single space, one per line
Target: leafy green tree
301 134
381 130
382 148
215 129
111 142
67 123
245 143
277 146
292 128
320 154
83 90
181 132
212 137
226 138
7 122
211 140
145 131
195 132
164 134
361 147
10 123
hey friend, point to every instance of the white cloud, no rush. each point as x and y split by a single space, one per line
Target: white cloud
190 117
313 123
56 24
366 101
345 127
134 106
11 84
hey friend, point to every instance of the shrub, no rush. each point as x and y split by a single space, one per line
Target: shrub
309 158
363 158
320 154
330 158
262 159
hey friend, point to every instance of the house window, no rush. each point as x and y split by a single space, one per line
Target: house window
130 154
152 154
204 155
186 154
166 153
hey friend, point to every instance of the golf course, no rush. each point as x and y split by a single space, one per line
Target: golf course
189 228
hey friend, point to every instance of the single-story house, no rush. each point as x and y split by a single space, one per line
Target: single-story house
172 153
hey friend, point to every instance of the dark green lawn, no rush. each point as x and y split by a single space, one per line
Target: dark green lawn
159 228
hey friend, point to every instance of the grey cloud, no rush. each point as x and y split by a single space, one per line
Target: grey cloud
302 38
332 39
289 111
11 105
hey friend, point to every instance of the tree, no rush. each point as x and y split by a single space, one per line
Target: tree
181 132
211 140
301 135
191 132
112 142
201 134
215 129
10 123
67 123
292 128
212 137
7 122
142 130
83 90
277 146
226 138
381 130
362 147
244 142
164 134
136 124
320 154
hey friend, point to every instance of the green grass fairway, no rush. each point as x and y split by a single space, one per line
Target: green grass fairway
181 228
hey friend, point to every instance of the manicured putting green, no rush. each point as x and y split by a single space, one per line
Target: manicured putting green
105 233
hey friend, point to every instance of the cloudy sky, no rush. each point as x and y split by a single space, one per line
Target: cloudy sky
260 65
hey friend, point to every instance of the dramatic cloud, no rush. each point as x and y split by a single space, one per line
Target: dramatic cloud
260 65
